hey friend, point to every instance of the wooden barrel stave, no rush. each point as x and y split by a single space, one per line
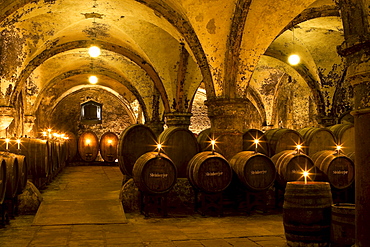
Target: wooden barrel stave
12 175
343 225
210 173
3 180
154 174
282 139
345 135
317 139
255 170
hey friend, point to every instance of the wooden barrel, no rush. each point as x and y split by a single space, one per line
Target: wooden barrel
290 166
210 173
345 134
71 144
134 141
282 139
38 157
317 139
338 170
109 147
342 225
249 144
255 170
2 179
306 213
204 140
88 146
180 145
23 169
154 174
12 175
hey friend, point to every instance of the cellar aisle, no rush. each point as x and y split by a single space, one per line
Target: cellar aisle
94 183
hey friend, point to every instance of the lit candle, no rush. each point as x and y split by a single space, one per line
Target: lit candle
159 146
299 147
256 141
7 140
213 142
19 144
44 134
305 175
338 148
49 130
88 141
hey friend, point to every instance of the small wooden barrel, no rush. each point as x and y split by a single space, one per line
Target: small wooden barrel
12 175
255 170
282 139
209 173
2 179
343 225
180 145
338 170
317 139
345 135
249 145
88 146
290 166
306 213
204 140
154 174
134 141
108 147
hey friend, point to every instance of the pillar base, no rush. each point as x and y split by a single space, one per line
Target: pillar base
178 119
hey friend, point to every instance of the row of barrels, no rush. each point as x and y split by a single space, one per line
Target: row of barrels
45 158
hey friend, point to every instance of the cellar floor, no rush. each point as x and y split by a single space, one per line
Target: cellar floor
95 187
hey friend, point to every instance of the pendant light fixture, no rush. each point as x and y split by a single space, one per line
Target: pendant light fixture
94 51
293 59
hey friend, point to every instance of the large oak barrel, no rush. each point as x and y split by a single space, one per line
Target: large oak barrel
154 174
343 225
282 139
38 157
204 140
22 169
290 166
317 139
345 134
134 141
249 143
88 146
306 213
338 170
210 173
12 175
180 145
255 170
71 144
109 146
2 179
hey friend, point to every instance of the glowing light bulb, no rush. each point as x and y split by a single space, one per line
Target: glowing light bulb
294 59
94 51
93 79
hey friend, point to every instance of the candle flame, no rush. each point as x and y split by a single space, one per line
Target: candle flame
49 130
88 141
305 173
18 141
339 147
110 141
213 142
44 133
299 147
159 146
256 141
7 140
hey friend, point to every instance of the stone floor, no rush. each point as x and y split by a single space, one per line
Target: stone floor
104 182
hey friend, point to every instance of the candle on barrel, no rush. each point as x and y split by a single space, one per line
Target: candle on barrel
49 130
110 146
159 146
213 142
256 141
19 144
299 148
305 175
338 148
7 140
44 134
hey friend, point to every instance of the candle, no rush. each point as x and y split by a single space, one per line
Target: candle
159 146
299 147
44 134
305 175
256 141
7 144
213 142
18 144
338 148
49 130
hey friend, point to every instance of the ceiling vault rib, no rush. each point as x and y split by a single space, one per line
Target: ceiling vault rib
181 73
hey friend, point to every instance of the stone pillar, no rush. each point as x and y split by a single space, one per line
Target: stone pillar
6 117
178 119
228 123
155 126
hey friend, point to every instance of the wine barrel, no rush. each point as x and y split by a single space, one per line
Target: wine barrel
249 144
12 175
38 157
290 166
180 145
255 170
345 135
108 147
317 139
88 146
3 181
338 170
204 140
23 169
306 213
154 174
210 173
71 144
134 141
282 139
342 225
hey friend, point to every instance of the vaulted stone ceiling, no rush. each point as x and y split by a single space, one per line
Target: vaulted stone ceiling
167 48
